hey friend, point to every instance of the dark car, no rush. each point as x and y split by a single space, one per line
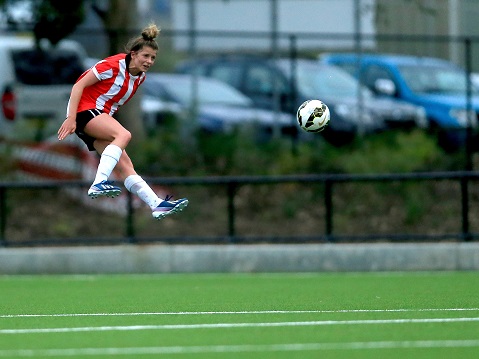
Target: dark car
283 84
436 84
219 107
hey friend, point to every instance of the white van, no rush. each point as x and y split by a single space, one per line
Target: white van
35 86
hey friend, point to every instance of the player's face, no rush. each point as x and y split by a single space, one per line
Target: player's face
143 59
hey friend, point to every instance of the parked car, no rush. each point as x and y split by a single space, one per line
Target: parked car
438 85
269 83
220 107
35 86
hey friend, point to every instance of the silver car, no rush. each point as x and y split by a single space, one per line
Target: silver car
209 104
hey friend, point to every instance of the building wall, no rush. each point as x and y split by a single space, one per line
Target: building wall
332 20
418 21
430 27
466 25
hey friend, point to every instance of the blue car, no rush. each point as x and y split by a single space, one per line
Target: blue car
439 86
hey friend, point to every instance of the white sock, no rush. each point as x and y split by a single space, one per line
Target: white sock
108 160
137 185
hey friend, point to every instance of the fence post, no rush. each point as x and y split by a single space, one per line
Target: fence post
231 210
465 207
3 216
291 107
130 227
328 203
469 110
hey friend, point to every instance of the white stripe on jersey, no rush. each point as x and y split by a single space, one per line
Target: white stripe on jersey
115 89
104 75
131 84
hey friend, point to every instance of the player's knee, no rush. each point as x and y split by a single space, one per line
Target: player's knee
124 137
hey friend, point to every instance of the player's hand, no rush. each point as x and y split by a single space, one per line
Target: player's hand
67 128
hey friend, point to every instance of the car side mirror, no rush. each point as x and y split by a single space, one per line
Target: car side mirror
385 87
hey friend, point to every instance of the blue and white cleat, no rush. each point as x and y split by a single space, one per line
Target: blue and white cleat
104 188
167 207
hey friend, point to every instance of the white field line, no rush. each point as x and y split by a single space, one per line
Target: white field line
232 325
293 347
238 312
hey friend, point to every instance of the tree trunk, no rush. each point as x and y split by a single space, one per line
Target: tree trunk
121 25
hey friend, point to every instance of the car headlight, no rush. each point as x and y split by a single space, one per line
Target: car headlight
421 117
462 117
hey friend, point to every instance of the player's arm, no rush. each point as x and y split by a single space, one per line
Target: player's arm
69 125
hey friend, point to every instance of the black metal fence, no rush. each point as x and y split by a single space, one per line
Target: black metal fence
461 179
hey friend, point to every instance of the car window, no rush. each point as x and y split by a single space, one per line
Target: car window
229 73
259 80
155 89
193 69
374 73
53 67
327 81
435 79
208 92
350 68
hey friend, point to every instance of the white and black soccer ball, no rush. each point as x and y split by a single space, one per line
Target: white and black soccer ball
313 115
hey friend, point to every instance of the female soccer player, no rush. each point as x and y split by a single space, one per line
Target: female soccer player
95 97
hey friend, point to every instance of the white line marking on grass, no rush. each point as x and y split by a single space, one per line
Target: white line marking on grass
232 325
238 312
293 347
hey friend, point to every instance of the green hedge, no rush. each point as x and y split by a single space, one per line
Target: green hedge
167 152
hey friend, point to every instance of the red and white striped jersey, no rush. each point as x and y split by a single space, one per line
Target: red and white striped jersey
115 88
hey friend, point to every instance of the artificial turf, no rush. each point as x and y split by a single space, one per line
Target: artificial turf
280 315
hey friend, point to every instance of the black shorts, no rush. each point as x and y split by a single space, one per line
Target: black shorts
82 119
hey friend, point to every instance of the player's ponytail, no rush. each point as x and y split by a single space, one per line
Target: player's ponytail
147 38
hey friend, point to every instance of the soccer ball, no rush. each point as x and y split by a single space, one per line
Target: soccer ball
313 116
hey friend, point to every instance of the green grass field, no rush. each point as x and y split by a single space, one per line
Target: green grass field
317 315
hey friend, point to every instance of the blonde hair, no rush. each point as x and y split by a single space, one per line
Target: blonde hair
147 38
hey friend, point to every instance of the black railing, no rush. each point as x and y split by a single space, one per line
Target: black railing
232 184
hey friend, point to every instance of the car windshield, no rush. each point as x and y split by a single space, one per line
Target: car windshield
208 91
55 67
428 79
317 81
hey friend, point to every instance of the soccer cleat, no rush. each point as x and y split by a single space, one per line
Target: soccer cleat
104 188
167 207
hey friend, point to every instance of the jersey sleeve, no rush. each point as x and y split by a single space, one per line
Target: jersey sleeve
103 70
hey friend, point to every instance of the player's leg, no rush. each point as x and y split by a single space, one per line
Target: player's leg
110 140
137 185
110 135
105 128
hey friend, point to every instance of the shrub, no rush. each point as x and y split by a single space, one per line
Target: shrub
167 152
